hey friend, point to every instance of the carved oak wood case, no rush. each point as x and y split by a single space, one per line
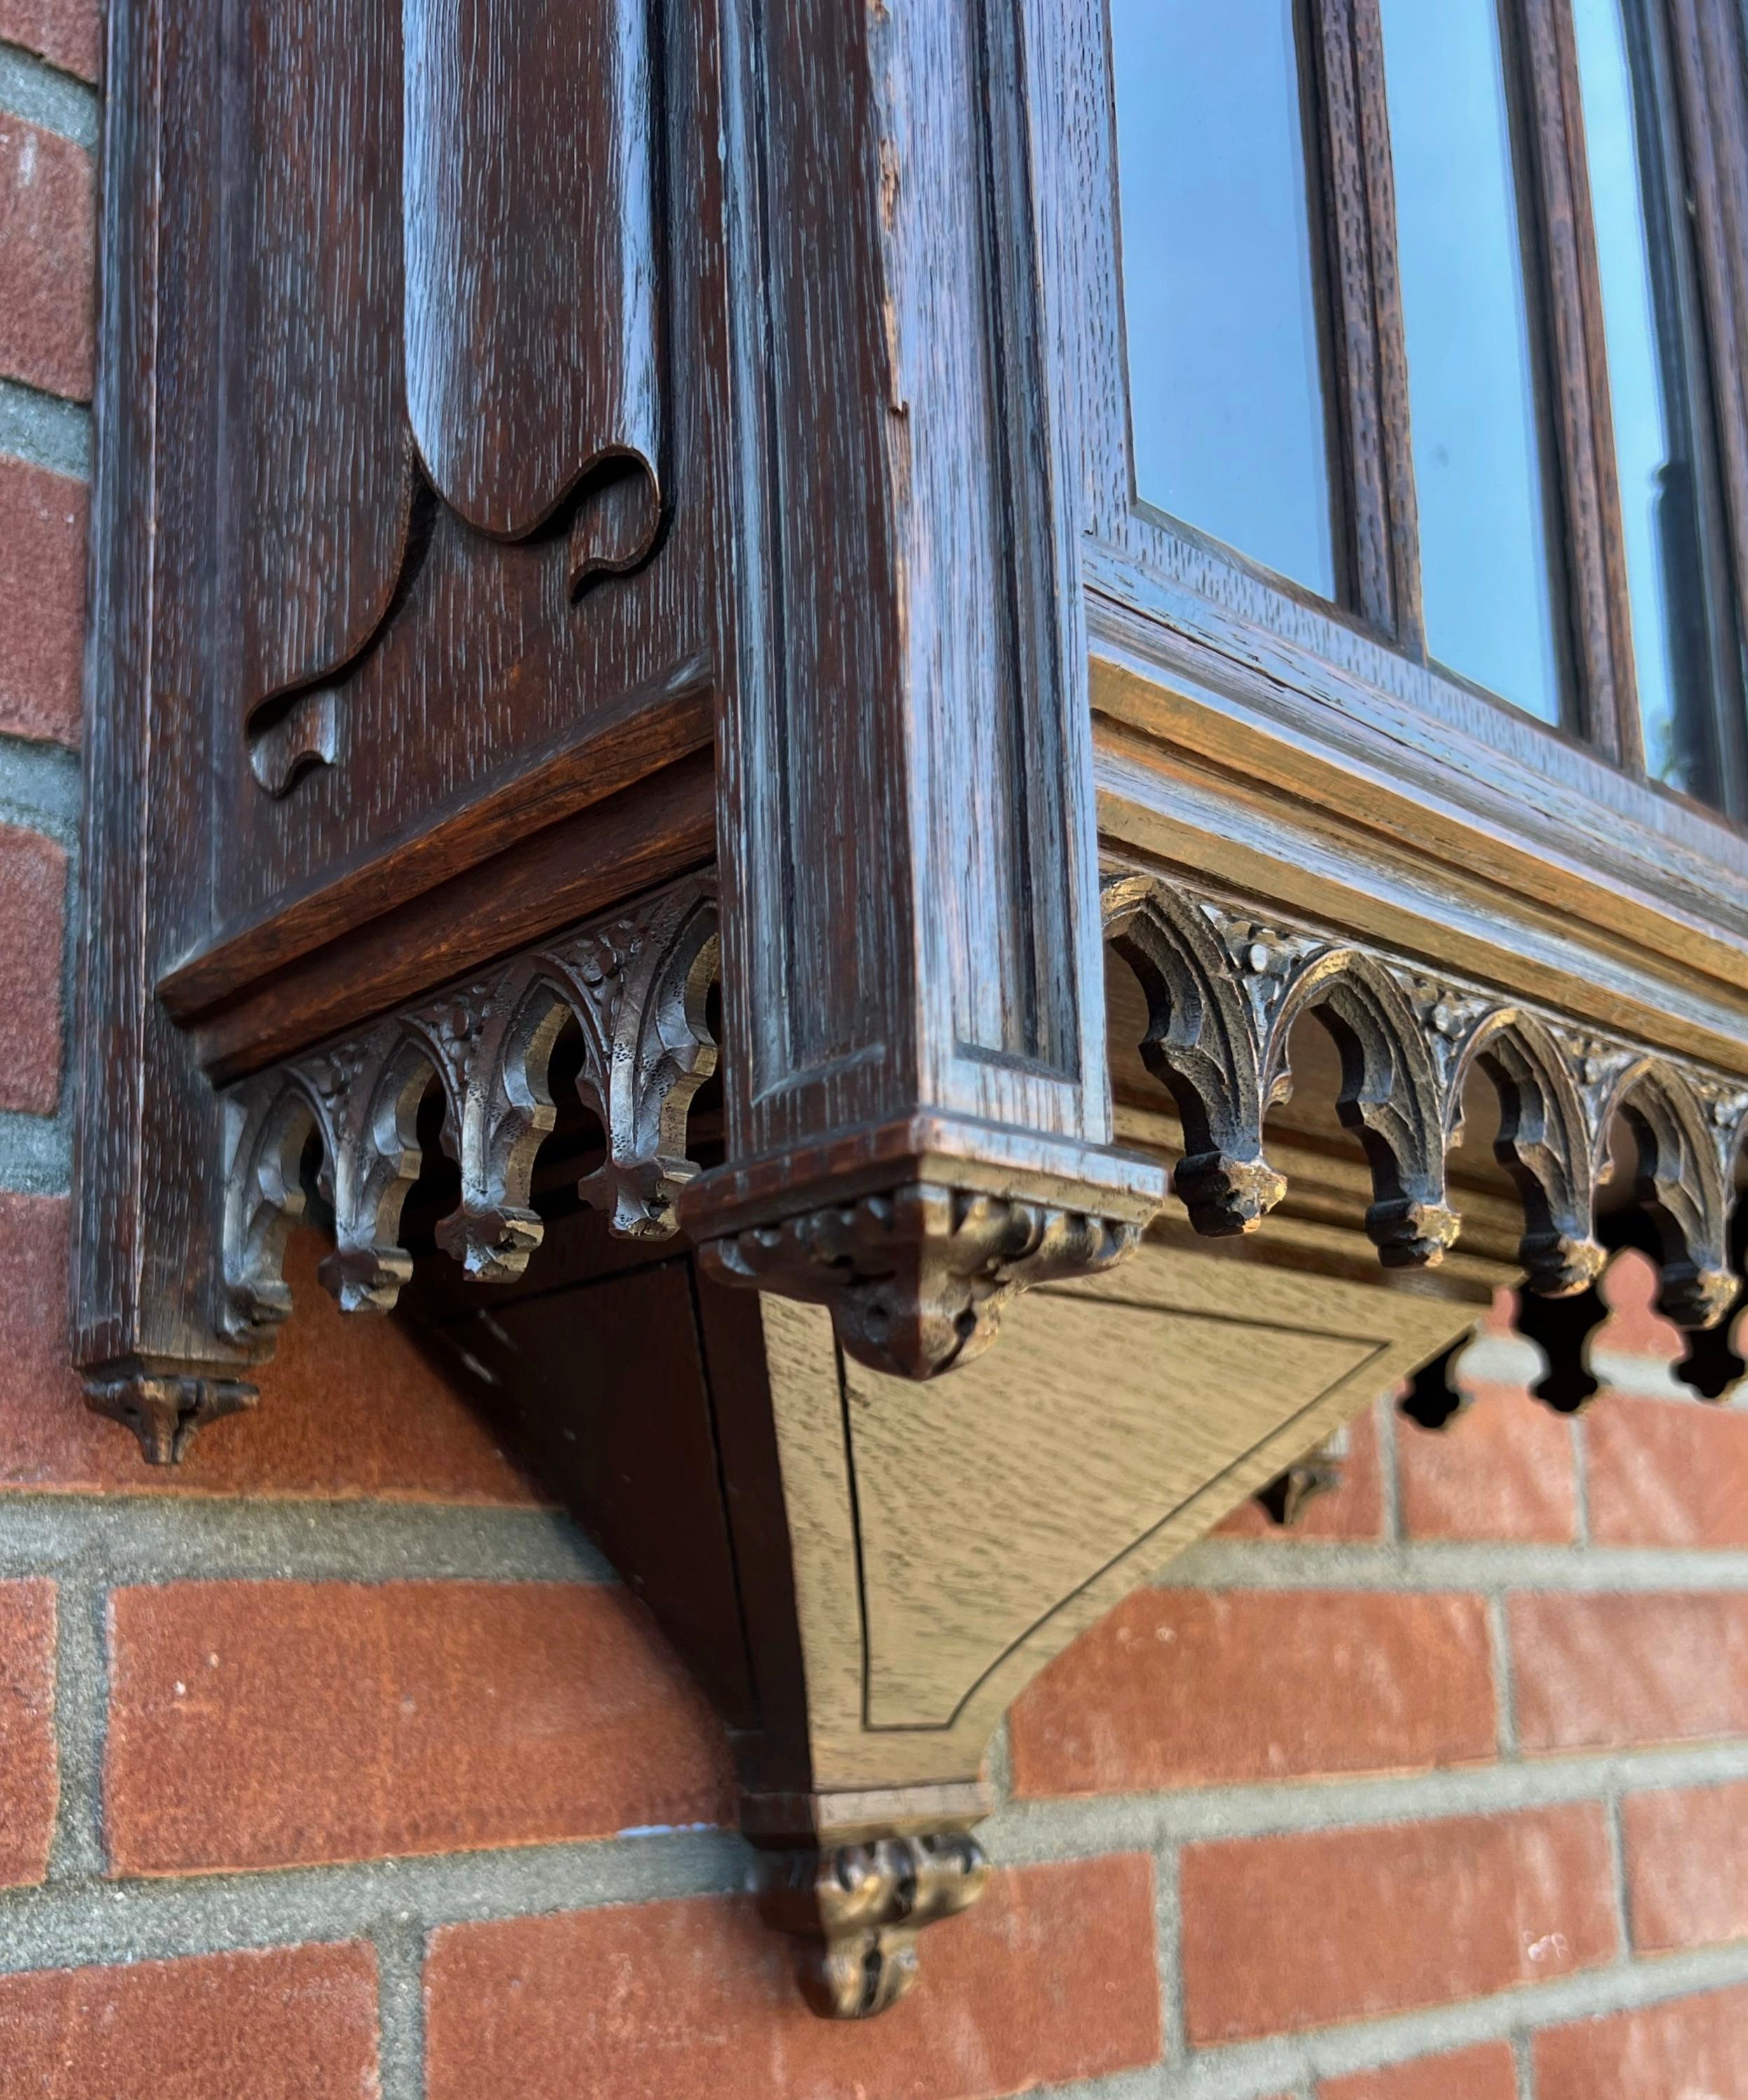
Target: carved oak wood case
642 779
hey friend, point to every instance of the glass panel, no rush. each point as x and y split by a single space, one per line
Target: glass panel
1472 391
1653 459
1225 381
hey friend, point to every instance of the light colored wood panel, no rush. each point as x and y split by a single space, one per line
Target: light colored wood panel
949 1538
1084 1432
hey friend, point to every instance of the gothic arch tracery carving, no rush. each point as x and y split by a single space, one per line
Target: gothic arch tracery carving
1224 992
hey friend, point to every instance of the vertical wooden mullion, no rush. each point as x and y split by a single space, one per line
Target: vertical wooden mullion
1599 613
1711 87
1370 374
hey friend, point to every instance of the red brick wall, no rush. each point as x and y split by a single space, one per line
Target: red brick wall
335 1765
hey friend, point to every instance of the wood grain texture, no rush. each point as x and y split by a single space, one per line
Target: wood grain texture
1564 253
1710 68
531 235
1370 356
316 512
909 648
1110 1432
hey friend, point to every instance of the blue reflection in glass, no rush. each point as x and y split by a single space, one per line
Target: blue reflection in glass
1657 489
1472 391
1226 379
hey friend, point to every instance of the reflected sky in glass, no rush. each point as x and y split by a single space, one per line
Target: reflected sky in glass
1225 381
1484 545
1643 447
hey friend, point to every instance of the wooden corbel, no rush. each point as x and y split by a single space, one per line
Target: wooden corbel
772 1482
591 808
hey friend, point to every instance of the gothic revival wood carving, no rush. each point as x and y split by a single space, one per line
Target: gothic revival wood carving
635 985
320 499
916 1279
856 1910
450 208
916 1276
531 239
1224 994
617 546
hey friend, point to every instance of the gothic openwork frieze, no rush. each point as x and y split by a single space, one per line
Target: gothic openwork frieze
865 1826
921 1272
1224 991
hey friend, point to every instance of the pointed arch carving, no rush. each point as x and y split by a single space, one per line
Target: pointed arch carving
637 984
1202 1044
1224 990
1543 1143
1680 1183
1391 1096
1221 1010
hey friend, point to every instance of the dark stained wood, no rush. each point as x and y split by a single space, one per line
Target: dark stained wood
1369 356
319 509
1711 84
614 550
531 270
639 836
598 1387
1564 242
909 650
634 740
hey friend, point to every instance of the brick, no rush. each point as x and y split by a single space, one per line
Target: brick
32 924
1502 1471
1695 2048
1352 1510
291 2023
42 519
1050 1978
29 1788
1178 1688
1667 1473
1488 2073
1687 1867
339 1721
68 33
1597 1672
47 237
1296 1931
349 1408
1634 1327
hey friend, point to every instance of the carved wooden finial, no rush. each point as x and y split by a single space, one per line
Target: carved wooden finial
165 1411
916 1280
856 1911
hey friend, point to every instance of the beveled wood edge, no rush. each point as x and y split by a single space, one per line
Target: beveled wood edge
614 748
661 825
1366 847
1499 771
